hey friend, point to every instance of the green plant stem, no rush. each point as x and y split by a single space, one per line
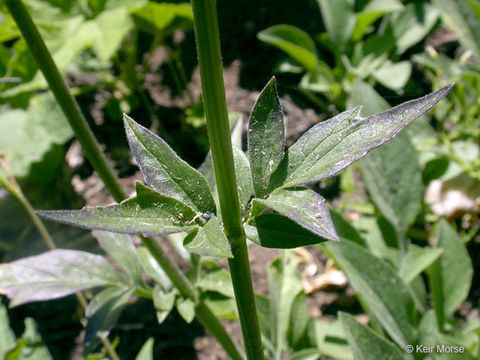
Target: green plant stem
69 107
213 89
92 149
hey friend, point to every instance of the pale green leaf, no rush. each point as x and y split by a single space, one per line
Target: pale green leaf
412 24
217 280
163 18
381 289
163 302
149 214
366 344
285 284
151 267
417 260
450 276
146 352
460 17
339 19
186 309
393 178
303 206
122 250
26 136
7 336
266 138
165 172
244 177
210 240
294 42
332 145
330 339
34 349
55 274
393 75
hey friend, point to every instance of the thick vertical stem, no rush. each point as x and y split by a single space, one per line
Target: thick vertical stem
210 63
69 107
95 155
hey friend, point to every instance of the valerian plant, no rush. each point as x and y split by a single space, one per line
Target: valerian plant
260 196
279 211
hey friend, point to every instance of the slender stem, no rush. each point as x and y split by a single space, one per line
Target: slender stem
14 189
95 155
69 107
210 64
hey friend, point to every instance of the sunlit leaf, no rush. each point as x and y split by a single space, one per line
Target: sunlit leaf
266 138
165 172
332 145
186 309
294 42
209 241
146 352
149 213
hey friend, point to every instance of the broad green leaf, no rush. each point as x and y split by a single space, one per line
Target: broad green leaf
26 136
372 11
330 339
146 352
149 213
163 18
298 320
413 24
122 250
393 75
285 284
417 260
217 280
366 344
266 138
450 276
381 289
55 274
165 172
151 267
7 336
294 42
244 177
163 302
210 240
339 19
186 309
102 315
303 206
332 145
393 178
430 336
465 23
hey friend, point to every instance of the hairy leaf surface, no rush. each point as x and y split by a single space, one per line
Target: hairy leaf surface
303 206
266 138
55 274
332 145
165 171
149 213
209 241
